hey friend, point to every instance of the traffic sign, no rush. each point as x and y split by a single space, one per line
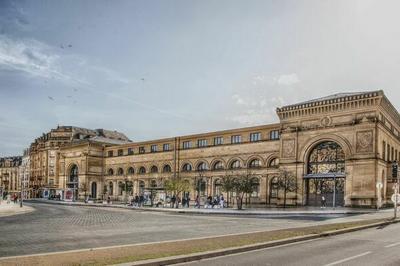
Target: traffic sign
393 198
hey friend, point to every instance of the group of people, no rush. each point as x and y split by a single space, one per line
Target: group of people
216 201
175 201
11 197
137 201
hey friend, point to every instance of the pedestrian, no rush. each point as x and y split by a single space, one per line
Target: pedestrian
136 200
108 200
221 201
323 202
187 201
178 201
184 202
173 200
141 200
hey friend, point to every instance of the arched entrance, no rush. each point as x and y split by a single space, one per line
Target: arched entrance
325 176
73 183
94 190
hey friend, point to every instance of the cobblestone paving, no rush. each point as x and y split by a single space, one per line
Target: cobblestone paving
57 228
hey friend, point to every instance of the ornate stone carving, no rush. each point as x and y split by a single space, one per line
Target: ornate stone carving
326 121
364 141
288 148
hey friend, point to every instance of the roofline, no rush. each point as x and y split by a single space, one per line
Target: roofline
315 101
210 133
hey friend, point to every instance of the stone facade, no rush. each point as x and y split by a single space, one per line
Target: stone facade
353 138
338 147
9 174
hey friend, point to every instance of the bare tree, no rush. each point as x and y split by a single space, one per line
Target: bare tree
227 185
287 182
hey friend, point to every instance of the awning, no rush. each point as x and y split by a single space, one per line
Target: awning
327 175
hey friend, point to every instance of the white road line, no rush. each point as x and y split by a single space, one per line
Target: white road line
349 258
392 245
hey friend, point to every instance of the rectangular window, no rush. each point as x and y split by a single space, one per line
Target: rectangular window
153 148
130 151
166 147
110 153
218 140
120 152
236 139
187 144
274 135
383 150
201 143
387 152
142 150
255 137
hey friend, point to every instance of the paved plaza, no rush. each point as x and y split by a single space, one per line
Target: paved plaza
57 228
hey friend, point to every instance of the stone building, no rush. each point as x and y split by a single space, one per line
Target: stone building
24 175
340 147
44 155
9 175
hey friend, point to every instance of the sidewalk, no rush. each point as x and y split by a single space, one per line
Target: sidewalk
13 209
228 211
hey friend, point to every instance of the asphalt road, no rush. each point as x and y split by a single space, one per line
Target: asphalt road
57 228
377 246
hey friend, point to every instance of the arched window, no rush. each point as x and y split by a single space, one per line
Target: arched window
167 168
326 157
154 169
273 162
217 187
202 166
153 183
110 171
235 164
187 167
131 171
255 163
73 175
218 165
121 187
142 170
256 187
120 171
111 188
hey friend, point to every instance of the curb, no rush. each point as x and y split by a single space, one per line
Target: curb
182 211
234 250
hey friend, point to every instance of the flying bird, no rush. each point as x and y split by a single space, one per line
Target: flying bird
69 45
75 89
50 98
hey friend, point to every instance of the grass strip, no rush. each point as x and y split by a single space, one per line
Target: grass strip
98 257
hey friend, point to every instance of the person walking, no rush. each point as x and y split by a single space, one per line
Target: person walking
221 201
323 202
173 200
187 201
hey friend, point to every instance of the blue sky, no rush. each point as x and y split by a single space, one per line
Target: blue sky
155 69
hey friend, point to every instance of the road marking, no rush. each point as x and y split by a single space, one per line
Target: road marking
349 258
392 245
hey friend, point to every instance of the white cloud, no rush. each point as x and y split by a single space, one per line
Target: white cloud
239 100
253 117
29 56
288 80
